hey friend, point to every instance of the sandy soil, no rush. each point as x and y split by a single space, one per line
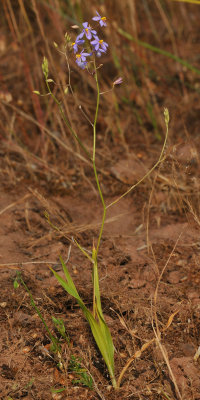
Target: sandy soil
149 258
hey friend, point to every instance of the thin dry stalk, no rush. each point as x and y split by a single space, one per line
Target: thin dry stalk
19 38
56 138
148 212
157 331
15 203
193 212
138 353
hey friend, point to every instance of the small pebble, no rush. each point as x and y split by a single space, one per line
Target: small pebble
3 305
26 349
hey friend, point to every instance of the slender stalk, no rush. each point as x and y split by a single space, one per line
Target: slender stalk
161 158
96 292
53 339
93 160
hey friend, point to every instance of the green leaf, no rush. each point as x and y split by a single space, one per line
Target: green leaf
98 327
15 283
58 390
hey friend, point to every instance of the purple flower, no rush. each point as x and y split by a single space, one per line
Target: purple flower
100 19
99 52
118 81
77 42
81 59
99 45
87 31
81 64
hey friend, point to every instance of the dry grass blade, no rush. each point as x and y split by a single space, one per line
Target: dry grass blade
138 353
156 330
60 142
146 345
14 203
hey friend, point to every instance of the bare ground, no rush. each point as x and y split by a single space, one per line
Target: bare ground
149 259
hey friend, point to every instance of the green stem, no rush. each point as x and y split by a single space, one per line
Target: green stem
53 339
114 382
96 291
94 164
66 121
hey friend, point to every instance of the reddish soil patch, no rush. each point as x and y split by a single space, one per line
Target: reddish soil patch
149 259
129 277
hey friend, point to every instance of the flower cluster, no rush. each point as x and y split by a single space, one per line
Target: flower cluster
97 46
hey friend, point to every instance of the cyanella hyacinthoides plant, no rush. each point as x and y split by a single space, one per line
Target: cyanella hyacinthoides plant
87 49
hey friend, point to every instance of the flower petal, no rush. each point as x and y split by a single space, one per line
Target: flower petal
85 24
